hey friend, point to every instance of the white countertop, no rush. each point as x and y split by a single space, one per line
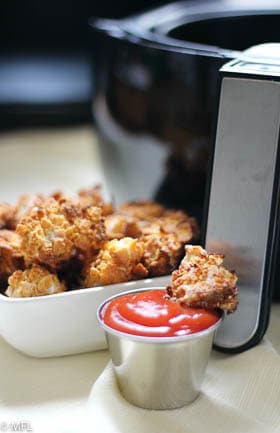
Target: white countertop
51 395
45 161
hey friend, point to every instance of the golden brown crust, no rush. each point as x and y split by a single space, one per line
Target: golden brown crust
163 239
26 203
163 236
120 226
89 231
11 257
202 281
179 222
71 236
173 222
35 281
162 253
141 209
118 261
53 232
85 198
11 215
93 197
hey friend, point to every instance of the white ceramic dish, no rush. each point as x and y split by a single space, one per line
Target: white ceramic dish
61 324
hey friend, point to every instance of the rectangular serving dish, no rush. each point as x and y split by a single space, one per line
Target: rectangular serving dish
63 323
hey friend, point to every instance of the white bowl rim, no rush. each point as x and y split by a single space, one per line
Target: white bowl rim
77 292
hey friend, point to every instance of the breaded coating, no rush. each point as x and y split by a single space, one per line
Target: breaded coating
120 226
54 232
7 216
141 209
93 197
83 241
26 203
87 230
164 239
171 221
179 222
11 215
163 236
36 281
86 198
118 261
162 253
201 281
11 257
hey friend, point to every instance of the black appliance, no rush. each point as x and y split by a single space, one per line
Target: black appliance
156 78
157 92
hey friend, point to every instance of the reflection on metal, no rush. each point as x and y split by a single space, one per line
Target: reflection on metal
241 215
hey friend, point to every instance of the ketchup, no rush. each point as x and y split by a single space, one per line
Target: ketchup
151 314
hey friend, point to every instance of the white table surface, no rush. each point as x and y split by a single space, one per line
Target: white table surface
51 395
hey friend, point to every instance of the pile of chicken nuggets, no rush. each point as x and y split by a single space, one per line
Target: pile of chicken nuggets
50 244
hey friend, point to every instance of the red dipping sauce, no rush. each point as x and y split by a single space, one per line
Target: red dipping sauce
150 314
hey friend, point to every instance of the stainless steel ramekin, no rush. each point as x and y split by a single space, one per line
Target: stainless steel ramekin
158 372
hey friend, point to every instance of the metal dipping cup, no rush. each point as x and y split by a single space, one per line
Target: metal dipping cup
158 372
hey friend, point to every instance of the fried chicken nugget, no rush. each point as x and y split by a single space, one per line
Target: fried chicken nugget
120 226
26 203
118 261
163 236
179 223
130 218
88 230
201 281
53 232
11 215
141 209
173 222
35 281
93 197
11 257
164 239
162 252
137 218
85 198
